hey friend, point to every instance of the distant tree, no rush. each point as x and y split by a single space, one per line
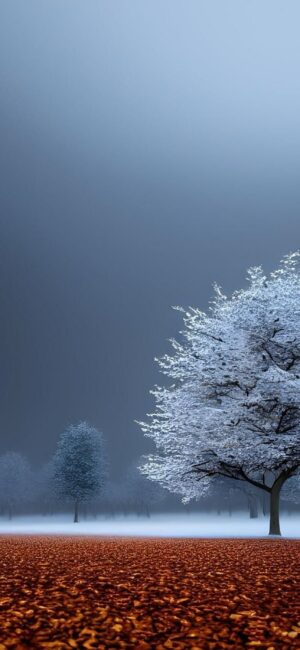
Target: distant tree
233 407
132 493
16 485
115 498
251 494
45 492
233 493
291 490
141 494
252 503
79 465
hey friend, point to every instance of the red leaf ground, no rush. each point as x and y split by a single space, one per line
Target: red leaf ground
91 593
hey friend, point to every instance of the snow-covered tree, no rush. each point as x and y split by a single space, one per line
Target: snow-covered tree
233 407
16 484
80 465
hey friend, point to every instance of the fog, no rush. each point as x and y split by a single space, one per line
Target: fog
147 150
159 525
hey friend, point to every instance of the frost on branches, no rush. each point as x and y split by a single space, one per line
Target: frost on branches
79 465
232 408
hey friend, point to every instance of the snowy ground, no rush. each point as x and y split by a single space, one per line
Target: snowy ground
159 525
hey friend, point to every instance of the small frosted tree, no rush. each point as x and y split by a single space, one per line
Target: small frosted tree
79 465
16 482
232 408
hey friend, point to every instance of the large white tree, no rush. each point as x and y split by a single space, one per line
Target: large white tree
232 405
79 465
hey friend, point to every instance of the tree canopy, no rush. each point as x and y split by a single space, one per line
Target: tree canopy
79 464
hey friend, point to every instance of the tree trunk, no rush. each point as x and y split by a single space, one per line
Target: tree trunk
76 512
274 504
274 511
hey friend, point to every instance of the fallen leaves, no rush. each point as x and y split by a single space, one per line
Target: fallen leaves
99 594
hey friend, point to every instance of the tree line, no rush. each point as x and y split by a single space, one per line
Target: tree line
77 477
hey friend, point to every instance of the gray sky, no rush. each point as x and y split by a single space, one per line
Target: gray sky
147 149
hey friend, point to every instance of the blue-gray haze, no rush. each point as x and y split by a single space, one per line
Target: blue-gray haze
147 149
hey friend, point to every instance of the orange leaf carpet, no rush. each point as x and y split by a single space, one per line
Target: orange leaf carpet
98 593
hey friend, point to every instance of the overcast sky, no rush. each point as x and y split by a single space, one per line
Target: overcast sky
147 149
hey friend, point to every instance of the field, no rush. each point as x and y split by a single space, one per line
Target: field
97 593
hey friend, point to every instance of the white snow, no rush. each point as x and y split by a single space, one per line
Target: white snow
158 525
